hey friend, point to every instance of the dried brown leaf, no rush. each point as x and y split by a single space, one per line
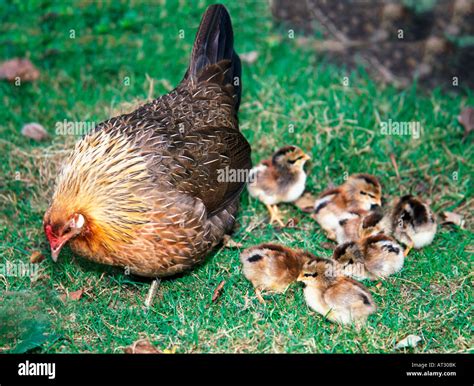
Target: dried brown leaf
466 119
18 68
76 295
36 257
34 131
142 346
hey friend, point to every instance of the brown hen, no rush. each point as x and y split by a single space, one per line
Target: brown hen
143 191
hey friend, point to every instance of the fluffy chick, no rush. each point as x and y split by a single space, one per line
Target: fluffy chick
272 267
358 224
361 192
412 222
339 298
279 179
374 257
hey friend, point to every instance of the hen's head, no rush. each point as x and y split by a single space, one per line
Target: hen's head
61 227
102 194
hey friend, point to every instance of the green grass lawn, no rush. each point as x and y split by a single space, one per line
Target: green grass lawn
290 96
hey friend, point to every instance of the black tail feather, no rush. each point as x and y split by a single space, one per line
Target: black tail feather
214 43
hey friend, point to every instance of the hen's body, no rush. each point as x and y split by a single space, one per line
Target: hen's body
148 183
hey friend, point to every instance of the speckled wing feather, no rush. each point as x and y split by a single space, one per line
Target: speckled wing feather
190 148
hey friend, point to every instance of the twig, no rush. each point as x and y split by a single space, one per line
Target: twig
395 166
151 293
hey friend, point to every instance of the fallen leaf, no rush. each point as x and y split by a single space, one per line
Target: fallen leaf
34 131
306 202
142 346
228 242
409 341
18 68
249 57
453 218
36 257
76 295
328 245
218 291
466 119
171 350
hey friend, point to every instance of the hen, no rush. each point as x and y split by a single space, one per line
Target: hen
144 190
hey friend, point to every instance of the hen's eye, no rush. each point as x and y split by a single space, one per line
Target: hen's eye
67 229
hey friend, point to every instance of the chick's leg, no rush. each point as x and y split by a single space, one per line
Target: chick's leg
275 215
408 248
278 216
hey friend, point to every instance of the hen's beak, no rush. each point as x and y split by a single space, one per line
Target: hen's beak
55 249
56 243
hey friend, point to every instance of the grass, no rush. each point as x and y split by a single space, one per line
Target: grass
291 96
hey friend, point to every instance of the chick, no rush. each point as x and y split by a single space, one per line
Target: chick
373 223
357 224
374 257
279 179
412 222
272 267
361 192
350 224
339 298
350 260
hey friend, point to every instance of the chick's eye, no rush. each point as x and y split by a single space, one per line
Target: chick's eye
310 274
292 161
367 194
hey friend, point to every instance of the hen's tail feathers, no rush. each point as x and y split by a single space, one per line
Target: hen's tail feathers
213 57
